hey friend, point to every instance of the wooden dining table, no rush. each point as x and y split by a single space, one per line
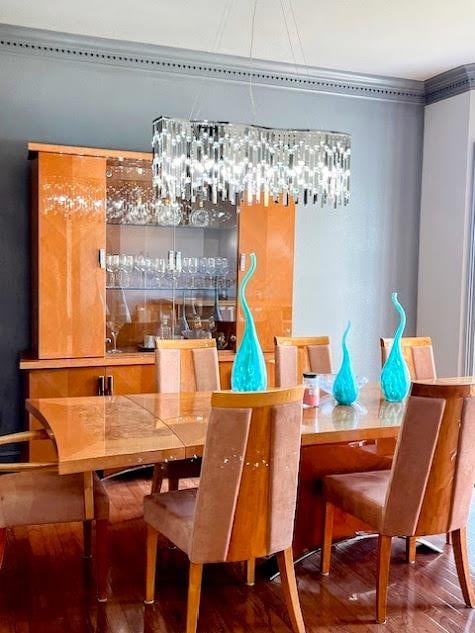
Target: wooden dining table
110 432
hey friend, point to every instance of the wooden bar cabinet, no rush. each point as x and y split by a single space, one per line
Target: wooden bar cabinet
111 269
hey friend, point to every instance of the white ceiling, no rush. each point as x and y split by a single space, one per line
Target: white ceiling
401 38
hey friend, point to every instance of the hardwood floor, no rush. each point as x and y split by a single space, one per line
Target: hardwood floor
46 586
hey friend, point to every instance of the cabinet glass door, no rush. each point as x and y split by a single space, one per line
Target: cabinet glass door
171 270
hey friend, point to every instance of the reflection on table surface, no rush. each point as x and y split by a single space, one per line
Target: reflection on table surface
108 431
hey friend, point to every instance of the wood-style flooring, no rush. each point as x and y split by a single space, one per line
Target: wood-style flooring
46 586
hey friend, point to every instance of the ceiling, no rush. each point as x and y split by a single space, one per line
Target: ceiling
399 38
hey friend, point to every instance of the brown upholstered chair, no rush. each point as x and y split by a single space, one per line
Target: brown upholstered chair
184 365
418 354
428 491
34 494
297 354
245 504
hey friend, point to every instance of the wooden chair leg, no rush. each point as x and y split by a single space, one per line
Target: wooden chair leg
3 544
448 538
157 478
384 559
173 484
459 542
251 572
102 558
411 544
327 539
194 594
151 565
87 538
289 587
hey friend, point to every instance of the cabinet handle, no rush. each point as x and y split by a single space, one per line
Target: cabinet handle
110 386
242 262
102 257
101 384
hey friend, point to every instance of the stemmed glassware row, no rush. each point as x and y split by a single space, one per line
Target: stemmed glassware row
144 271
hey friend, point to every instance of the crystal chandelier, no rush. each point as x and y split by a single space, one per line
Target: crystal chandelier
199 161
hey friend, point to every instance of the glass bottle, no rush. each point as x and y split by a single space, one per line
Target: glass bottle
311 396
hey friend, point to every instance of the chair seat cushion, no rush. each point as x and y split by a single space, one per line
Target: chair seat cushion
36 497
171 514
360 494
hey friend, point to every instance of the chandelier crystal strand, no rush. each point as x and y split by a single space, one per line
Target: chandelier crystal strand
200 161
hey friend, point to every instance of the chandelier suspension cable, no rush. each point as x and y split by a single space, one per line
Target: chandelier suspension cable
251 51
302 51
284 18
196 105
292 50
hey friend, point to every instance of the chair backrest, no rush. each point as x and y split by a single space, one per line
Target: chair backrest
294 355
187 365
246 500
418 354
434 465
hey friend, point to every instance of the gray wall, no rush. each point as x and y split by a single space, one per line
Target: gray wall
347 262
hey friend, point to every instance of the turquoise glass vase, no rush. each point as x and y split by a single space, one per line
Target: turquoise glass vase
345 387
395 378
249 371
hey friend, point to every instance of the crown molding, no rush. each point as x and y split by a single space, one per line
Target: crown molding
160 59
450 83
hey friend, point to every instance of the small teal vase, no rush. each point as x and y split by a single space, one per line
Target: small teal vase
249 371
395 378
345 388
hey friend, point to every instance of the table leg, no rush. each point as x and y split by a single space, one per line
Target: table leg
88 496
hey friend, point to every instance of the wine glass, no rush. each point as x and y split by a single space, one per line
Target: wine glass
142 264
124 269
117 314
110 271
211 266
159 268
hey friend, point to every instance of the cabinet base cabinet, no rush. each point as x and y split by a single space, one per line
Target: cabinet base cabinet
124 379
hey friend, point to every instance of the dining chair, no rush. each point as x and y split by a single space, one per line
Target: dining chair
35 494
184 365
418 354
295 355
244 506
428 490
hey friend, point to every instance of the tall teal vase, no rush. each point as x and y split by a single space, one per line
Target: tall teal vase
395 378
249 371
345 388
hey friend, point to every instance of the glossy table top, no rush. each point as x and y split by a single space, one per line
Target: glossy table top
97 432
